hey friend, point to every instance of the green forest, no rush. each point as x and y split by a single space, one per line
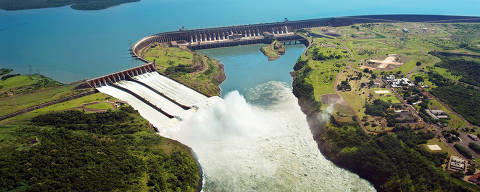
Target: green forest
466 67
392 162
76 151
461 97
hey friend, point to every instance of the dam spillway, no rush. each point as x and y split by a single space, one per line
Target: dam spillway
159 99
153 98
171 88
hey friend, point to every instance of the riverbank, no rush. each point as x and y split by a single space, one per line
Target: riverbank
392 160
379 159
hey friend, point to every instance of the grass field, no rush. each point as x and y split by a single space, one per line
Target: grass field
454 121
104 106
445 73
322 77
22 84
389 97
165 57
58 107
18 102
445 148
323 72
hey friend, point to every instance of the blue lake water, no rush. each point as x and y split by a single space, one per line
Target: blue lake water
71 45
246 66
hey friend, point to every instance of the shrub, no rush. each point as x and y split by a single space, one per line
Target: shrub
475 147
377 108
464 151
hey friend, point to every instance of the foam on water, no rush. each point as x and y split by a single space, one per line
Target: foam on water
258 143
267 146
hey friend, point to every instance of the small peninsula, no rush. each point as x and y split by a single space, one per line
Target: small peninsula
74 4
273 50
189 67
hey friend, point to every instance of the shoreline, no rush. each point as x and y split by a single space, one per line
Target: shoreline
209 36
317 127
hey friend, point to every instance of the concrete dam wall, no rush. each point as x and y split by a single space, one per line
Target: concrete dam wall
163 101
282 31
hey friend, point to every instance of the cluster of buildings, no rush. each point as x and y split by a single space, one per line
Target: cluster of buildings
404 116
457 164
436 114
396 83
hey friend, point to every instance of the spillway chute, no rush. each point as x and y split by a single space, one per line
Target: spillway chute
160 100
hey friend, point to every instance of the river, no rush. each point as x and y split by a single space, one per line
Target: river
256 138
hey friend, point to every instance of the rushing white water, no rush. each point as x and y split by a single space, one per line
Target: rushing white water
172 89
154 98
258 143
166 86
263 147
147 112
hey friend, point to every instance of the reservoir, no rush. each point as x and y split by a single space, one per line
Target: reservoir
247 67
70 45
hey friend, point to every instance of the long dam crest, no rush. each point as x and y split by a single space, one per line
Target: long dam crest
266 32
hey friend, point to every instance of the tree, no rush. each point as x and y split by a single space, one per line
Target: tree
458 174
377 108
418 63
371 83
418 79
362 85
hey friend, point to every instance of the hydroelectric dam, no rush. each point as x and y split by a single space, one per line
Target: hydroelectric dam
240 146
163 101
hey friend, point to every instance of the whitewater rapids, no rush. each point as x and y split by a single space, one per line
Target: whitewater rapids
260 143
257 142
